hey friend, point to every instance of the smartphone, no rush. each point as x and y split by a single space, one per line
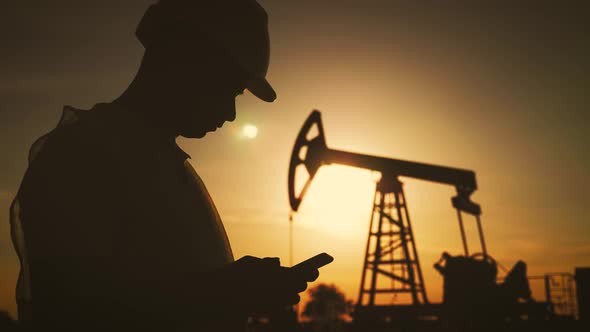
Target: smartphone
314 262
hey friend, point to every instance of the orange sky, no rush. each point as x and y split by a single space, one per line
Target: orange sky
499 90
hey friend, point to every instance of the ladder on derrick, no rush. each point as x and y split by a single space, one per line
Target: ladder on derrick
391 266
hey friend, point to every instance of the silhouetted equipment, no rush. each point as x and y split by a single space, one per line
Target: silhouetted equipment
560 295
582 276
391 249
472 293
472 296
466 282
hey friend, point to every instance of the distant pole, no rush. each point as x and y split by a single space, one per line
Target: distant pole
296 307
291 238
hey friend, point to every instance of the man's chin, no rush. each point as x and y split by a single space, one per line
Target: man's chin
195 133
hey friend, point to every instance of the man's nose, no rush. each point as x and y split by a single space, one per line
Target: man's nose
231 116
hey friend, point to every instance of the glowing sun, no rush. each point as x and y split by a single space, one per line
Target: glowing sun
249 131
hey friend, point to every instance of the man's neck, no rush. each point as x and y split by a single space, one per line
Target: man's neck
148 112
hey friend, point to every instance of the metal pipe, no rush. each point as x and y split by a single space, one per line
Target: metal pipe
462 232
481 239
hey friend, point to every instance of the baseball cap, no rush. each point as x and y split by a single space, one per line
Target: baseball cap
238 27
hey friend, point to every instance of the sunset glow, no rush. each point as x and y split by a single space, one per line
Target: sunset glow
453 85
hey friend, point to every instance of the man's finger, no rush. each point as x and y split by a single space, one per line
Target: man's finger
312 275
272 261
248 259
300 287
294 300
309 275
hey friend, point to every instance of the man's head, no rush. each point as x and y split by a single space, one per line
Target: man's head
200 55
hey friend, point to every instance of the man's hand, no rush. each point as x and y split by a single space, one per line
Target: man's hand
262 285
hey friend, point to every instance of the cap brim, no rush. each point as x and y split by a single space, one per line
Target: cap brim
261 89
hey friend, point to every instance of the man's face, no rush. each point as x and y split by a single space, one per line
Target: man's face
201 86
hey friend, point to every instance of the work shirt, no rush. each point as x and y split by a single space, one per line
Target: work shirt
114 228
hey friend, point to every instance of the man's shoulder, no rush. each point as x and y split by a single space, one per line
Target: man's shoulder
84 147
94 133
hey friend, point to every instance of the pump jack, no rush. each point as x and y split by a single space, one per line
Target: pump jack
391 256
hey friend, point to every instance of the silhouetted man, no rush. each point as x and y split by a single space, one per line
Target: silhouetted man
114 228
